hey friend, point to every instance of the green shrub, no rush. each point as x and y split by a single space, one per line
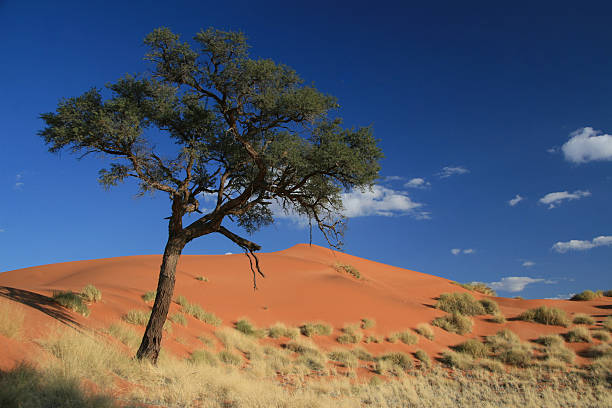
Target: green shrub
196 311
581 318
549 340
490 306
578 334
245 326
477 287
425 330
546 315
405 337
351 270
179 318
230 358
423 357
473 348
344 357
149 296
397 359
72 301
201 278
351 334
316 329
280 330
601 335
463 303
587 295
91 294
455 323
204 357
457 360
367 323
362 354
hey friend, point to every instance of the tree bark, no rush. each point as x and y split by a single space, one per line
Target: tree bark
151 341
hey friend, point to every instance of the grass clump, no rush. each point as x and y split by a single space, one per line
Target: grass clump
423 357
141 318
546 315
507 347
454 323
279 330
149 296
362 354
11 319
393 361
350 335
598 351
179 318
463 303
477 287
406 337
344 357
473 348
245 326
607 323
578 334
203 357
367 323
559 352
196 311
372 338
349 269
425 330
91 294
125 334
498 318
549 340
457 360
581 318
587 295
230 358
316 329
72 301
201 278
601 335
490 306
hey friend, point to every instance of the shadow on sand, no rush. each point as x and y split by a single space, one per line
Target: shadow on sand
39 302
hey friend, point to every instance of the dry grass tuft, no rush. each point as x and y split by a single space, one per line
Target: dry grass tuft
246 327
587 295
368 323
349 269
423 357
546 315
477 287
350 335
178 318
454 323
125 334
316 329
406 337
473 348
601 335
425 330
141 318
579 334
201 278
549 340
149 296
581 318
11 319
91 294
463 303
71 300
196 311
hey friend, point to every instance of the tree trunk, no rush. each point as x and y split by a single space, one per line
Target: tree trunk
151 342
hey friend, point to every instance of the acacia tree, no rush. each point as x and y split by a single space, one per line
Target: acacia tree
249 135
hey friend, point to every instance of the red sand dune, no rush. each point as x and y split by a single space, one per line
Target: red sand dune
301 285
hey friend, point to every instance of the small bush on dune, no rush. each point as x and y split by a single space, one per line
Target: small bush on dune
455 323
179 318
91 294
396 360
607 323
498 318
372 338
502 339
125 334
587 295
463 303
196 311
72 301
423 357
473 348
601 335
344 357
141 318
493 366
457 360
316 329
349 269
507 347
406 337
230 358
279 330
578 334
367 323
207 340
245 326
550 340
546 315
425 330
203 357
351 335
490 306
561 353
477 287
580 318
149 296
362 354
201 278
11 319
302 346
518 355
599 351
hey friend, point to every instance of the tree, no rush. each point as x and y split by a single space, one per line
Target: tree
249 134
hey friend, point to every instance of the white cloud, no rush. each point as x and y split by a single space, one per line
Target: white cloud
467 251
561 297
515 200
228 253
514 283
528 264
393 178
379 201
448 171
587 144
1 229
579 245
417 182
554 199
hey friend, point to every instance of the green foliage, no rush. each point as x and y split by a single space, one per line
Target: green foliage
72 301
179 318
203 357
490 306
455 323
580 318
477 287
473 348
463 303
316 329
149 296
406 337
245 326
91 294
587 295
349 269
230 358
546 315
425 330
423 357
368 323
201 278
579 334
195 310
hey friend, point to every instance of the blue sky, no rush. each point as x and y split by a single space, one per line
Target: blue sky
473 105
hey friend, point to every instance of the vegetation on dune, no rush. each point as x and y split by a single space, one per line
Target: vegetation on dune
587 295
279 330
350 334
71 300
472 347
607 293
423 357
490 306
550 340
406 337
91 294
546 315
140 317
149 296
195 310
607 323
245 326
11 319
580 318
203 357
508 348
316 329
124 333
368 323
344 357
498 318
477 287
463 303
579 334
348 269
598 351
393 362
455 323
178 318
201 278
425 330
601 335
